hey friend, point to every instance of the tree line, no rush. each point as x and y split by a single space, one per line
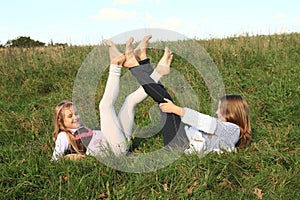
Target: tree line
27 42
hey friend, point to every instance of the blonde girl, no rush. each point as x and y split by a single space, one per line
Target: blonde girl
71 137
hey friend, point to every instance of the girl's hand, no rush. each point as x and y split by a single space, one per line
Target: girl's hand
167 107
74 156
170 107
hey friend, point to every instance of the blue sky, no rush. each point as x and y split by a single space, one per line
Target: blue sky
89 21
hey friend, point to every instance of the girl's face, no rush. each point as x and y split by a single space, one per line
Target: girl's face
220 116
71 118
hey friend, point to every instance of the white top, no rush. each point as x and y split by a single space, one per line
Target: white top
61 146
206 133
94 148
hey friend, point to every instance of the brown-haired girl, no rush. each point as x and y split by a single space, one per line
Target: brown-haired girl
231 129
204 133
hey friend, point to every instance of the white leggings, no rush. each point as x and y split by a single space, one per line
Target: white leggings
117 130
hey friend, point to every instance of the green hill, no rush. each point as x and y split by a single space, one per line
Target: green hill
264 69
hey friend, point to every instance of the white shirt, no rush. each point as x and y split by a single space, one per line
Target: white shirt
215 134
61 146
94 148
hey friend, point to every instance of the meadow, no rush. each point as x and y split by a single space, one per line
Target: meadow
264 69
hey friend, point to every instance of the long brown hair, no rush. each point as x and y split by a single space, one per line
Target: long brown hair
235 109
59 126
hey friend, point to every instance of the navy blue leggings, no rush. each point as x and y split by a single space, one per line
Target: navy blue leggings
173 128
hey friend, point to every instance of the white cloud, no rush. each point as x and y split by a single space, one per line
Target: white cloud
114 14
296 21
149 17
117 2
171 24
280 16
205 21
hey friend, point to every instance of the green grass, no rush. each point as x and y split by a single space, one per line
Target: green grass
264 69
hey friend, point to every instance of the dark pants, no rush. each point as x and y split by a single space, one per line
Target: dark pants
173 128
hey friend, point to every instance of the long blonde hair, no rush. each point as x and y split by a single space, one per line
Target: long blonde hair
235 109
59 126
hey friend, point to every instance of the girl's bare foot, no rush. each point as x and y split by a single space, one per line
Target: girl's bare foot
116 57
140 50
130 58
163 66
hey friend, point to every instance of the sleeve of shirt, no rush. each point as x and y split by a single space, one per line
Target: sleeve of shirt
199 120
61 146
229 132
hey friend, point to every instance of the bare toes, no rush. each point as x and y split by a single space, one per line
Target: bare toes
128 47
116 57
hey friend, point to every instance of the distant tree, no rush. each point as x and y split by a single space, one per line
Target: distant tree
51 43
8 43
24 42
61 44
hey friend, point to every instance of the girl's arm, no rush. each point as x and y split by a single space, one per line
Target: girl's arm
191 117
61 146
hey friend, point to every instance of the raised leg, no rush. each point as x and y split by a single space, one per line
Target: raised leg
173 128
110 125
126 114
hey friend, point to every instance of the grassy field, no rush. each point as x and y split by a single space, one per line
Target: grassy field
264 69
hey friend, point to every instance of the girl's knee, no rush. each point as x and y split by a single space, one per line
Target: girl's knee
129 100
104 105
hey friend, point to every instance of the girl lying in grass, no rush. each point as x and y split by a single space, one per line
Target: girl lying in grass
231 129
73 141
205 133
